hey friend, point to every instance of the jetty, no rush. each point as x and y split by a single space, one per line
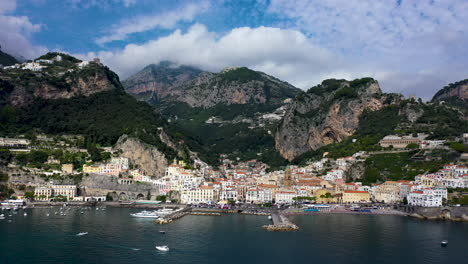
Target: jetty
280 223
171 217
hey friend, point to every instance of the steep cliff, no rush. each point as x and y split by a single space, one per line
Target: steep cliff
458 90
238 85
326 114
58 80
144 156
156 81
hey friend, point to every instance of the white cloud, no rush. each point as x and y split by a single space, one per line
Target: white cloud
143 23
15 32
7 6
286 54
406 41
100 3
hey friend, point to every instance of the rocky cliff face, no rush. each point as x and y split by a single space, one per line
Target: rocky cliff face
61 80
326 114
458 90
146 157
156 81
234 86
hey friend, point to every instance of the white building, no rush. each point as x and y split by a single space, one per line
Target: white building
427 197
203 194
285 197
46 192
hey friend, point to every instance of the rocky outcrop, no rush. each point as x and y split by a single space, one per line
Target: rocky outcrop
144 156
157 81
438 213
234 86
102 185
458 90
326 114
67 83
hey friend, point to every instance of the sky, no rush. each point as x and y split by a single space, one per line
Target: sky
414 47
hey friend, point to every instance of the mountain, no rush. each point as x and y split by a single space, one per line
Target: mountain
458 90
454 94
68 96
340 118
231 112
6 59
327 113
156 81
236 85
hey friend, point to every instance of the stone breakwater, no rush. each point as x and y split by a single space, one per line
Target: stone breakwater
169 218
281 223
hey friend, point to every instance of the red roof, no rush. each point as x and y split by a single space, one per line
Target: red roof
356 192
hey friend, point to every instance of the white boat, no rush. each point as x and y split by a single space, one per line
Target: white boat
82 234
25 214
162 248
146 214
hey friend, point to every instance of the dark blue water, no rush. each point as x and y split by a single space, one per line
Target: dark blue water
114 237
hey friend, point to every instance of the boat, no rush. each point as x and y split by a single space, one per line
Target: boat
82 234
444 243
162 232
269 217
47 214
162 248
146 214
25 214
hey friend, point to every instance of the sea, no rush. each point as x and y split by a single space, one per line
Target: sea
113 236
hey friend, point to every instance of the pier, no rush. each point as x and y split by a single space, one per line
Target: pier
280 223
171 217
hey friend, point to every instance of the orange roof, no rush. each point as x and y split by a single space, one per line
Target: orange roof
206 187
267 186
356 192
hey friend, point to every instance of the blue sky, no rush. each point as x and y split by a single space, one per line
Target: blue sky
412 47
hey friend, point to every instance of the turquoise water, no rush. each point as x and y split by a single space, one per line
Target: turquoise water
115 237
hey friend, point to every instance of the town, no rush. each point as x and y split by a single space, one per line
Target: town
321 181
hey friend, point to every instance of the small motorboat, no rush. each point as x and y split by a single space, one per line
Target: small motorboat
47 214
444 243
25 214
162 232
162 248
82 234
270 218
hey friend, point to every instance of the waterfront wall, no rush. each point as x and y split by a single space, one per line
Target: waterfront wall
439 213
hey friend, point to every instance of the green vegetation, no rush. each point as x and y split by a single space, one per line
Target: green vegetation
234 139
29 195
103 117
399 166
242 75
7 59
161 198
462 200
458 146
373 125
3 177
35 158
302 199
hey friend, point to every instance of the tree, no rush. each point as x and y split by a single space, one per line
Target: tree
29 195
412 146
161 198
405 200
